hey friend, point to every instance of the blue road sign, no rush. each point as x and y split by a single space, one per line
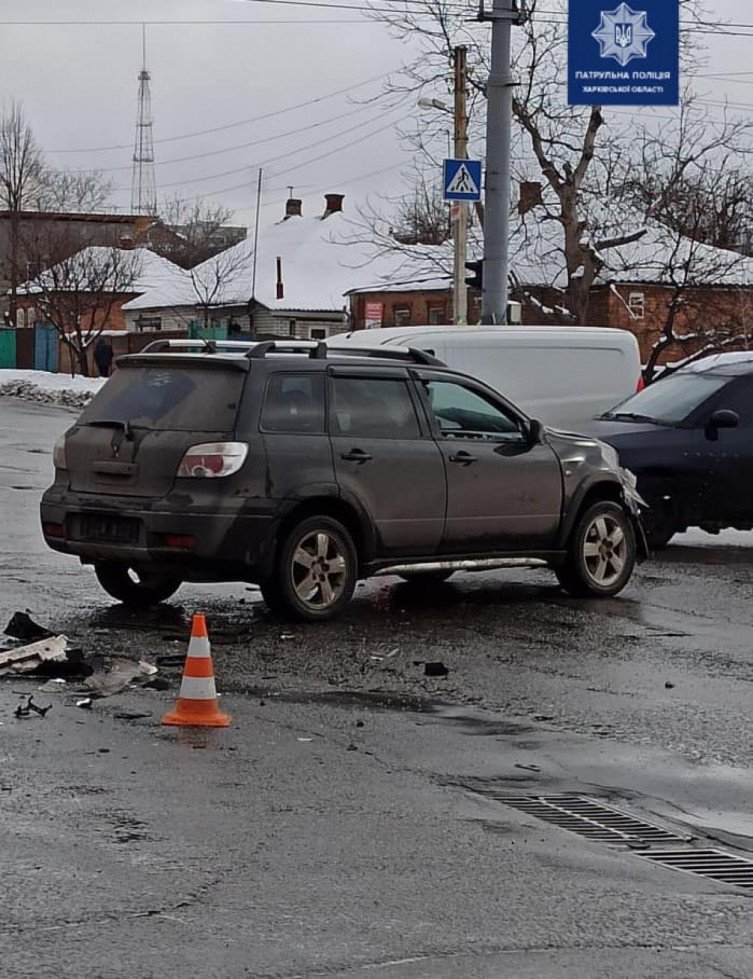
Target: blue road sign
623 54
462 180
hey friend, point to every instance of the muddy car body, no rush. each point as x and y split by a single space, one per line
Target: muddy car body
303 469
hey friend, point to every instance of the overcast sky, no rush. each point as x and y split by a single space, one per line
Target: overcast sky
78 85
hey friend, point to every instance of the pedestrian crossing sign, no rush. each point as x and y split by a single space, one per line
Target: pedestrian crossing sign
462 180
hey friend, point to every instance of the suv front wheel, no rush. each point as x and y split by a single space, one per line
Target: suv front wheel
315 572
132 587
601 554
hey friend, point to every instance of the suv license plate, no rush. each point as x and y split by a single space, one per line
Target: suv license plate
117 530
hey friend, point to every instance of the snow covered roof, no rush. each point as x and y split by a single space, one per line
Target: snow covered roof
320 261
323 260
130 270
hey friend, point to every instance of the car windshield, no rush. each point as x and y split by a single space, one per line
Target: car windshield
669 401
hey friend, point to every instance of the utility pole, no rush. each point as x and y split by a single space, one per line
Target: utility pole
460 289
498 139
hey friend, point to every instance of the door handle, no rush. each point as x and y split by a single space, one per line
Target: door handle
356 455
463 457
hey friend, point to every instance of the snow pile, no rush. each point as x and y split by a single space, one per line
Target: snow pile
50 389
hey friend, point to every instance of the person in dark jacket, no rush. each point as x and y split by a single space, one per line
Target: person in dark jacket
103 357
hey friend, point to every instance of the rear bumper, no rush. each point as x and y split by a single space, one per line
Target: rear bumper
218 544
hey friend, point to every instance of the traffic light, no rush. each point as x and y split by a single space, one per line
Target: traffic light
476 279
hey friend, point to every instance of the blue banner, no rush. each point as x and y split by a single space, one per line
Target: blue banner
623 54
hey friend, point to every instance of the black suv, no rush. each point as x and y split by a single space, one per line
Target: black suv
303 468
689 440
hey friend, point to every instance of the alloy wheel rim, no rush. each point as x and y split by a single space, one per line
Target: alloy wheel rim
319 569
605 550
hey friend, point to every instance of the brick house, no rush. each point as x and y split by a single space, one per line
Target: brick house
103 311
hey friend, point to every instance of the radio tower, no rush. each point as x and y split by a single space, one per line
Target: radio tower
143 189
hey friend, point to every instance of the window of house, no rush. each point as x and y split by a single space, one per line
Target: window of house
318 333
291 327
294 403
372 407
146 324
402 316
437 315
637 305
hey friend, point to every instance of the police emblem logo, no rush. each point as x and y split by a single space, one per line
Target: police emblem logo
623 34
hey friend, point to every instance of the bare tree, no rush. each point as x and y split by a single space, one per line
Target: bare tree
421 216
192 231
67 190
217 282
79 293
563 146
21 169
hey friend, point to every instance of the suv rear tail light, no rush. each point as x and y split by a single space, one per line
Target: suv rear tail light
58 454
209 460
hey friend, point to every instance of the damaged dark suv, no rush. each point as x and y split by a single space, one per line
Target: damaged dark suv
302 469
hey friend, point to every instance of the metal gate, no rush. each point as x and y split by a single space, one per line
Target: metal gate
7 348
45 347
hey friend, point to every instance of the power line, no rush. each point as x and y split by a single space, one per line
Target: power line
234 125
285 155
281 173
237 146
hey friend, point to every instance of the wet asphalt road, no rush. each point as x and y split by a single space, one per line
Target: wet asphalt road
325 832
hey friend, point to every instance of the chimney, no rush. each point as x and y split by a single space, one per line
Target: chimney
280 290
292 208
334 204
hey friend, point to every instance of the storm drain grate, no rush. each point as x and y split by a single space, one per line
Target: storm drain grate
716 864
588 818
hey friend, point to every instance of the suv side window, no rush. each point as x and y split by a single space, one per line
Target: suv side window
294 403
372 407
462 413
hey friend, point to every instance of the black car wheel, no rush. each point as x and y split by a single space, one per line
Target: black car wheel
601 555
316 571
133 587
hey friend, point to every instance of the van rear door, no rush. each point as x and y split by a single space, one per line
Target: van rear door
132 437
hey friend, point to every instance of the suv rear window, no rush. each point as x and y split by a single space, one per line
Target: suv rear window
180 399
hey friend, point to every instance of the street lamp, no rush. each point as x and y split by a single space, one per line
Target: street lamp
434 104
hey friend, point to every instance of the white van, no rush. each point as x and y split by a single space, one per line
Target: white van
561 375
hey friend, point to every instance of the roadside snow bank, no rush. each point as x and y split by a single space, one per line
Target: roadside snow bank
50 389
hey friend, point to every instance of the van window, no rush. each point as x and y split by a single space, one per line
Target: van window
373 407
294 403
181 399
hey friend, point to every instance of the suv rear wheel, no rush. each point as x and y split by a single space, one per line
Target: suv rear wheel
315 571
134 587
601 554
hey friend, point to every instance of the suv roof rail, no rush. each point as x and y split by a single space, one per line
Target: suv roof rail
390 353
208 345
315 349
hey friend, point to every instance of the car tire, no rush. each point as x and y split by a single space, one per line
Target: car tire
132 587
315 572
601 553
426 577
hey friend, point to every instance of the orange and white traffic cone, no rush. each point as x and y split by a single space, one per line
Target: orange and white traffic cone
197 701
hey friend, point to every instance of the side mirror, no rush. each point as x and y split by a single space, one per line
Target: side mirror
536 432
723 418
